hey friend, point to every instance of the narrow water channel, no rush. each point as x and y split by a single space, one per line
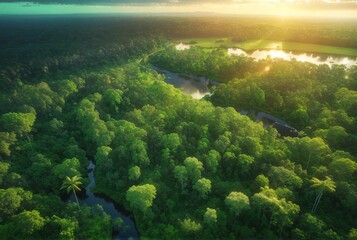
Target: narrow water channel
198 87
128 229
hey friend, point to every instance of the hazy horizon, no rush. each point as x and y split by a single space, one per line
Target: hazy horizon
288 8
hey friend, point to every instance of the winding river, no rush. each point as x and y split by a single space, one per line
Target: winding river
197 87
288 56
257 55
128 229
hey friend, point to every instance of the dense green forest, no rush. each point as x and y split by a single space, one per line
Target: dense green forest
185 168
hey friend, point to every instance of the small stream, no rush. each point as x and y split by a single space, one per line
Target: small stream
128 229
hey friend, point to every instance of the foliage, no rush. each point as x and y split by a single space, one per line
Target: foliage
237 202
141 197
210 217
203 187
185 168
134 173
72 184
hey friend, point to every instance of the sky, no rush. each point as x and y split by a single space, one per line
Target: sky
309 8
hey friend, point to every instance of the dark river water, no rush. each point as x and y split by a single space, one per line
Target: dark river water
128 229
197 87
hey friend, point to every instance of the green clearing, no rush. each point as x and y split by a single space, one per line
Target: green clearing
268 44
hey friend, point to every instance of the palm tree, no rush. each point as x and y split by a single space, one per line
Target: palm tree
72 184
321 186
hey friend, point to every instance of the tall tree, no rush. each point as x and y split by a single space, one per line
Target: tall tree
141 197
12 201
28 222
316 149
20 123
203 187
181 175
71 184
6 140
321 186
194 168
237 202
210 217
68 168
134 173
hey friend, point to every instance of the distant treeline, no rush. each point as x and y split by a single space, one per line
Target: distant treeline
39 37
185 168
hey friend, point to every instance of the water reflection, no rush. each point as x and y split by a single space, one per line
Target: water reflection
304 57
236 51
128 230
181 47
197 87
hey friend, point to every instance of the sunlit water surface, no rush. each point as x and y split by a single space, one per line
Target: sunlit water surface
304 57
197 87
181 47
280 54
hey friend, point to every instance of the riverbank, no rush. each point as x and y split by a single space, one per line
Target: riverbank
266 44
99 195
198 87
195 86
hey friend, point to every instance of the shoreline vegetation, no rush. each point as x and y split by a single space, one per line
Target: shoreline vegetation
71 91
263 44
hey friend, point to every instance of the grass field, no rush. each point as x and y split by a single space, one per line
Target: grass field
268 44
